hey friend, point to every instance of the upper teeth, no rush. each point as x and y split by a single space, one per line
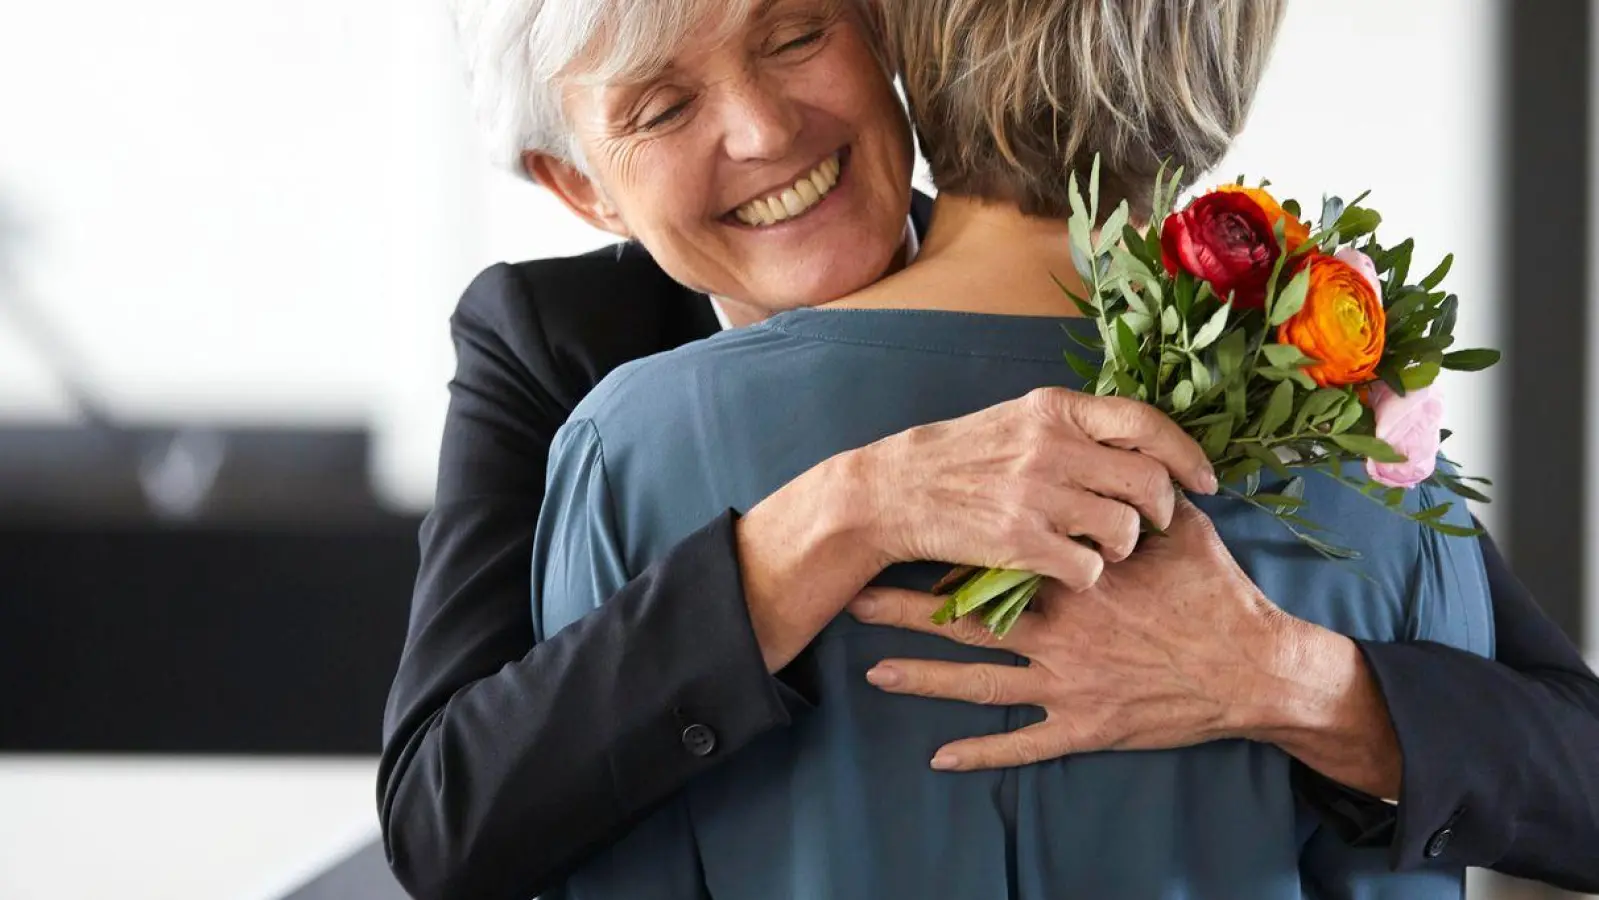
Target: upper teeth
795 200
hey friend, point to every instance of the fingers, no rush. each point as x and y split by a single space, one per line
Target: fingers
1024 746
1141 483
913 611
981 683
1123 422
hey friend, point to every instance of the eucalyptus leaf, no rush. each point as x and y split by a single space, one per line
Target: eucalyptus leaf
1448 530
1216 438
1236 399
1351 413
1436 276
1086 370
1138 322
1170 321
1240 470
1212 329
1135 302
1315 405
1278 408
1470 360
1268 459
1292 299
1286 356
1420 375
1331 209
1126 343
1111 231
1369 447
1230 353
1182 396
1201 375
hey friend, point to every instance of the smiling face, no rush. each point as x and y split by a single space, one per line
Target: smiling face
771 167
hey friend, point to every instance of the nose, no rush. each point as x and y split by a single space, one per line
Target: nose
762 122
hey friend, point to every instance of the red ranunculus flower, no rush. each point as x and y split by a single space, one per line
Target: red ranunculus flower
1224 238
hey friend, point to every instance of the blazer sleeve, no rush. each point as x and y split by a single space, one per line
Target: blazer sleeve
1501 757
497 776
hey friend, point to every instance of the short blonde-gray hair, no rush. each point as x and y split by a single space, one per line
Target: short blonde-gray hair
1011 96
521 53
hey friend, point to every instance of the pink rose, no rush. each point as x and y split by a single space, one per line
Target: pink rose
1412 425
1361 263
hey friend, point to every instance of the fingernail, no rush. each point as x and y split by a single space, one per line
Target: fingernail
945 760
884 676
864 608
1207 480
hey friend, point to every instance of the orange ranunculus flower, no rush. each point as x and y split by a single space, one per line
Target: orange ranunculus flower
1342 324
1294 231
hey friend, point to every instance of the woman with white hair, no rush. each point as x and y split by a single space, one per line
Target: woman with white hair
508 761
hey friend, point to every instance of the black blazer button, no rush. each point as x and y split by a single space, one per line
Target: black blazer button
699 740
1439 843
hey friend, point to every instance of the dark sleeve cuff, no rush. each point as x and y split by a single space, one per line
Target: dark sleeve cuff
717 695
1451 779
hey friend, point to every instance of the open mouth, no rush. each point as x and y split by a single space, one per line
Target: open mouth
797 199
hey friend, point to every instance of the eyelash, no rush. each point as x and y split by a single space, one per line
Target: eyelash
678 109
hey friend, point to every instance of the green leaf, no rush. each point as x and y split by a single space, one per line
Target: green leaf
1297 376
1351 414
1111 231
1291 207
1357 222
1471 360
1368 447
990 585
1393 497
1126 386
1419 375
1268 459
1318 403
1447 312
1237 397
1433 512
1282 501
1286 356
1201 375
1182 396
1404 302
1331 209
1170 321
1084 369
1465 491
1240 470
1212 328
1138 246
1126 343
1278 408
1093 190
1416 348
1436 276
1292 299
1216 438
1230 353
1139 323
1401 258
1185 294
1454 530
1329 550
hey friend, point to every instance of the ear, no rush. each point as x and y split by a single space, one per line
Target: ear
576 191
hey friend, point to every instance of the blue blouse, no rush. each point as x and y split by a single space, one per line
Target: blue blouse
842 804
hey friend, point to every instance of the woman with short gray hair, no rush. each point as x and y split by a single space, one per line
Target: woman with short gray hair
508 760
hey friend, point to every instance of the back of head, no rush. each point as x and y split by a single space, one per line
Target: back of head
1010 97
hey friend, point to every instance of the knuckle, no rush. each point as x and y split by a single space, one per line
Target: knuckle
985 687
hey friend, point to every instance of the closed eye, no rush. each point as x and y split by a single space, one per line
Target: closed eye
667 115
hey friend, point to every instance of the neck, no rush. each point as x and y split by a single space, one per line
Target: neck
982 257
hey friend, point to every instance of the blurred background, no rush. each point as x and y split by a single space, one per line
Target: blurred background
230 238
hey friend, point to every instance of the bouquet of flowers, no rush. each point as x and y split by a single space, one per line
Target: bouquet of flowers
1275 342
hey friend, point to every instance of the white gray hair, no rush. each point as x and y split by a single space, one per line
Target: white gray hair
520 55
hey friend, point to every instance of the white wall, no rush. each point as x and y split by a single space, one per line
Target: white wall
267 210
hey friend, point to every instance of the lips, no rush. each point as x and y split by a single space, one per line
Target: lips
795 200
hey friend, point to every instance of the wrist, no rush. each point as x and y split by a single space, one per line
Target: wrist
804 553
1317 700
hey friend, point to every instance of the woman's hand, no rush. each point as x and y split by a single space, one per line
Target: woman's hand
1173 647
1008 487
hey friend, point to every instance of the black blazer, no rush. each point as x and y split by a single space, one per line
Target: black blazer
499 775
